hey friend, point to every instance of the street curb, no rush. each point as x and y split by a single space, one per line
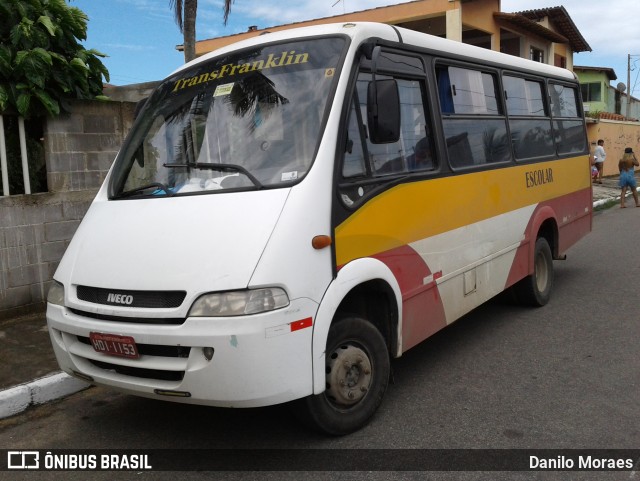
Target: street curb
600 202
49 388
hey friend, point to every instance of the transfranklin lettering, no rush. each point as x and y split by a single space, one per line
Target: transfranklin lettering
231 69
539 177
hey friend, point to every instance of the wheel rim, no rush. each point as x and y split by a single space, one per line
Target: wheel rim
349 375
542 272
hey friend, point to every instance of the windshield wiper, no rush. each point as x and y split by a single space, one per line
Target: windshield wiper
222 167
157 185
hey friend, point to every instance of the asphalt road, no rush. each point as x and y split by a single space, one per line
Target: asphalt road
565 376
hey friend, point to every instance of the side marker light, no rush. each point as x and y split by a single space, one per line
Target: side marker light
321 241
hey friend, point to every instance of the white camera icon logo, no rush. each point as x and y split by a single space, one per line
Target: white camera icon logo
23 460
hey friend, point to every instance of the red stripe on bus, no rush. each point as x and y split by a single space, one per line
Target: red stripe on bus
301 324
422 307
572 216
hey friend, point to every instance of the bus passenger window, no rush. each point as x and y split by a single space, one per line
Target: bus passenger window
466 91
563 101
568 126
529 122
474 126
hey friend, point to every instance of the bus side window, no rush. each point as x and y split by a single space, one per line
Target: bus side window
568 127
474 126
367 165
415 135
529 122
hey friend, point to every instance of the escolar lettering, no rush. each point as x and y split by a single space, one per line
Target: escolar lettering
539 177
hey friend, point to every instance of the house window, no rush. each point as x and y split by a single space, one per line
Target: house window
537 55
560 61
591 92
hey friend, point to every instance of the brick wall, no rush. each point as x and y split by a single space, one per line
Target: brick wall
35 230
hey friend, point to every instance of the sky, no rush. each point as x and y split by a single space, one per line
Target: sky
140 36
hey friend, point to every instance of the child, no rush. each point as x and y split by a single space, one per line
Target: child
599 157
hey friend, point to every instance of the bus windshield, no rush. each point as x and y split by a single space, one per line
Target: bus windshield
248 120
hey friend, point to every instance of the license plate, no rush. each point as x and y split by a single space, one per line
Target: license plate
114 345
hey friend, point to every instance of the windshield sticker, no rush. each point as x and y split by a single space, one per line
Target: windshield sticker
286 176
223 90
330 72
232 69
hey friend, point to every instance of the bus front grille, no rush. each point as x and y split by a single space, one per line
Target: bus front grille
137 320
129 298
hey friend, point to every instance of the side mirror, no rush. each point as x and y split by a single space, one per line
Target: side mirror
383 111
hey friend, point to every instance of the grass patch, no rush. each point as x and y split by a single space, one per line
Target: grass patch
607 205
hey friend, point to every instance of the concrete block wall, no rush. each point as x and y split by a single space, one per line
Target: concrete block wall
35 230
80 146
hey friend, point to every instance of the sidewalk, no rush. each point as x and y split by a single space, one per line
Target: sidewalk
607 191
30 375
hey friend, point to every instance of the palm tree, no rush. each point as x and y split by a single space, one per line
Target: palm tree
227 9
185 13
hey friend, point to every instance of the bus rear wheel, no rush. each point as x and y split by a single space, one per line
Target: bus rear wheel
535 289
357 375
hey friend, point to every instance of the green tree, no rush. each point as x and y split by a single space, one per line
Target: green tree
42 62
185 12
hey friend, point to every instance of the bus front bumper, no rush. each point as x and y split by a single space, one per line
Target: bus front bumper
249 361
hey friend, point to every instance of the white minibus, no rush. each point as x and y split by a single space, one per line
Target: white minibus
290 213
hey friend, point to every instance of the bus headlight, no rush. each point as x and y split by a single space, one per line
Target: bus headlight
239 303
56 294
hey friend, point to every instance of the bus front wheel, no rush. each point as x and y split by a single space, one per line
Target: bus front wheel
535 289
357 375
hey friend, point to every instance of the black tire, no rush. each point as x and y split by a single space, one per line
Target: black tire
357 374
535 290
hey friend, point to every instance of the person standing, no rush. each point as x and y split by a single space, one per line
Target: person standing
627 176
599 156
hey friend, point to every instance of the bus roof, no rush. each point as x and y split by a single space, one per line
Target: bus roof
362 31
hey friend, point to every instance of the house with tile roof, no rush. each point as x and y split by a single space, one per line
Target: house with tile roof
547 35
601 99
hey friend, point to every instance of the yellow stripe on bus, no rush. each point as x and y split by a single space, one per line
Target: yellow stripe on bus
417 210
